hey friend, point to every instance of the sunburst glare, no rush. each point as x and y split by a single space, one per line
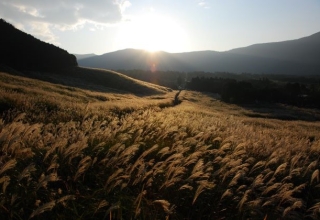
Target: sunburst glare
152 32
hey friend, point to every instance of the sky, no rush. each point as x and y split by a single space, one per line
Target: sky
102 26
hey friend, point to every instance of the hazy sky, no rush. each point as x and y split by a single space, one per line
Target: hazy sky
100 26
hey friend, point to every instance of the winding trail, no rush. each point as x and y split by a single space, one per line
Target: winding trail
176 98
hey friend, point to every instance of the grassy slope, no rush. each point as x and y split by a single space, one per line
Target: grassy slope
98 80
52 102
202 159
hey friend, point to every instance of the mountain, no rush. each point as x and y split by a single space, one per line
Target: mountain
22 51
133 59
304 50
299 56
83 56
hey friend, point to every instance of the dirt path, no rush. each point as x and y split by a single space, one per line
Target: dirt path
176 98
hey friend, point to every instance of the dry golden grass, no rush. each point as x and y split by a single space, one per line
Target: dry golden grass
129 157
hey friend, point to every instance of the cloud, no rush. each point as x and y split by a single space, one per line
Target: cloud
40 17
203 4
43 31
125 5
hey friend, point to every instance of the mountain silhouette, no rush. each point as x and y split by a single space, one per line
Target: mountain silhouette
83 56
299 56
304 50
22 51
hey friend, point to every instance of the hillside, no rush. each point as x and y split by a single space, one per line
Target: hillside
68 153
98 80
46 100
289 57
22 51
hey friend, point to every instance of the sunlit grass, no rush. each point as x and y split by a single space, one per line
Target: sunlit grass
68 153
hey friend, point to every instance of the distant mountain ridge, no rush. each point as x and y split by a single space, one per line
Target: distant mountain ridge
304 50
22 51
83 56
299 56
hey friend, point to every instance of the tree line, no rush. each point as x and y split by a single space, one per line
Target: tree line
245 88
261 90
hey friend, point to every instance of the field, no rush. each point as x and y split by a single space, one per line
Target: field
68 153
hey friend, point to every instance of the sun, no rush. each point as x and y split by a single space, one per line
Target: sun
152 32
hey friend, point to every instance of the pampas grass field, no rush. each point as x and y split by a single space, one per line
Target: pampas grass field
67 153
